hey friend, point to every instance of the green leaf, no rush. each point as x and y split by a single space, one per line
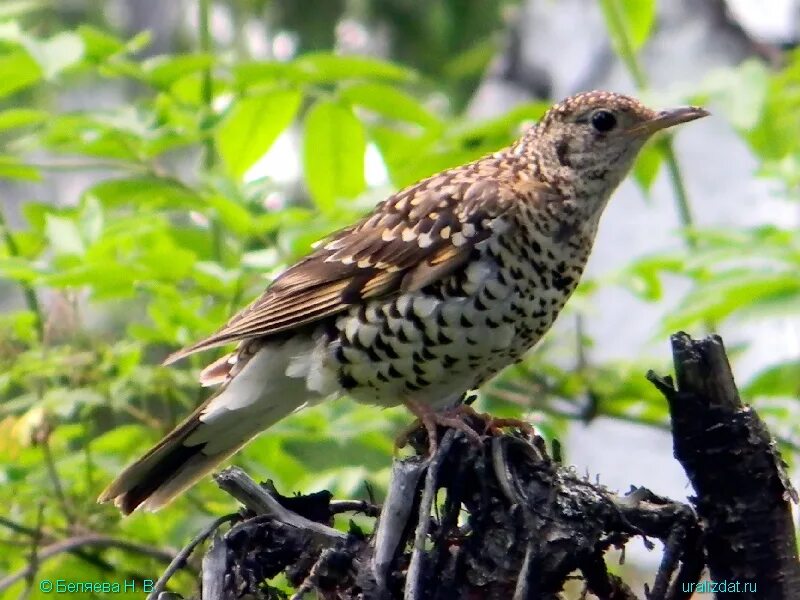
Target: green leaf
162 71
233 215
735 291
17 269
17 72
12 168
389 101
90 219
56 54
333 153
740 92
99 45
252 125
777 380
473 61
647 166
21 117
252 73
145 192
64 235
327 67
635 17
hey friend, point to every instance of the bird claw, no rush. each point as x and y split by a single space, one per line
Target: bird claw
455 418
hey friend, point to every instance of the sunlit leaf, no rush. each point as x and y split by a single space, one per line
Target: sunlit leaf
17 269
12 167
64 235
738 290
56 54
21 117
740 92
17 72
333 153
252 125
635 17
149 192
647 167
232 214
98 44
389 101
163 70
324 66
782 379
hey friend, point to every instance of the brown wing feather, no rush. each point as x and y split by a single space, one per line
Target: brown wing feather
419 235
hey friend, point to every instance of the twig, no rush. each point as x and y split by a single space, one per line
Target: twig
362 506
236 482
95 540
394 517
34 560
669 564
56 480
413 589
521 591
310 582
180 559
49 536
214 564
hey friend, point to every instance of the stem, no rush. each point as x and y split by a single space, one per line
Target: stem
681 197
207 94
58 489
628 56
27 291
616 25
207 84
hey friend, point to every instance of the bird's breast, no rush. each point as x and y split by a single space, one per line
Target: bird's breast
438 342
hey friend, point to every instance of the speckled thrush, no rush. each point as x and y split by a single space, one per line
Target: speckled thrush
444 284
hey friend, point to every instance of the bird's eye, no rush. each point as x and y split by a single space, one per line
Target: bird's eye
603 121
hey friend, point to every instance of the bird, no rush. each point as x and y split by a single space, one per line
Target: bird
430 295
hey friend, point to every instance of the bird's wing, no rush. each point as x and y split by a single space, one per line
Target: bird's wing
419 235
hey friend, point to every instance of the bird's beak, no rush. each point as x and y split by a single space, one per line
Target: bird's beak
668 118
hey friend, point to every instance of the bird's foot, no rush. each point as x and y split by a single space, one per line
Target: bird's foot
494 425
461 418
430 419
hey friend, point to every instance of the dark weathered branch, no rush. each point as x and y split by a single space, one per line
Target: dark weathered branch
732 461
513 524
504 520
236 482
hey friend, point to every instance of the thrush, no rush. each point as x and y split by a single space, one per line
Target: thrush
444 284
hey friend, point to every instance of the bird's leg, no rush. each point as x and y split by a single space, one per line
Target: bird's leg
430 419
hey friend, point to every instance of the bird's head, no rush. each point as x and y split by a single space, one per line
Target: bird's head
589 141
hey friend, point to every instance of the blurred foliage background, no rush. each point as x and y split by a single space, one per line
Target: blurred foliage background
207 168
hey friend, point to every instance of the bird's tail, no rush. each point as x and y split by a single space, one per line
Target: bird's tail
260 394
